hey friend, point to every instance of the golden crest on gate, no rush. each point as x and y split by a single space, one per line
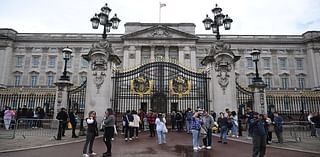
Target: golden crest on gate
180 86
141 86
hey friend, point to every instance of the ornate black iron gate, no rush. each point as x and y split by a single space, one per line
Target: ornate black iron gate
161 86
77 98
244 99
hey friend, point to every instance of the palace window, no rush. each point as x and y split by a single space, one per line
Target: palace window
301 83
50 80
132 56
35 61
17 81
283 63
186 56
266 63
268 82
52 61
34 80
249 63
284 83
19 61
299 63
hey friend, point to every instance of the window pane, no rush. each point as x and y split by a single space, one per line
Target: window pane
34 80
299 63
266 63
283 63
249 62
52 61
17 80
301 83
50 81
19 61
35 61
284 83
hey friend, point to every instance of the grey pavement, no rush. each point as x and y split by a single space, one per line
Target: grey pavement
310 145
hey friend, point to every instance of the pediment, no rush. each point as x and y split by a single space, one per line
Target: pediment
159 32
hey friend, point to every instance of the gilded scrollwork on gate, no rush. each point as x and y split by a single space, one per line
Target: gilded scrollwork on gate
180 86
141 86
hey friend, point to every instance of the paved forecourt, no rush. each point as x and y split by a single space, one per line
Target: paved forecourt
178 144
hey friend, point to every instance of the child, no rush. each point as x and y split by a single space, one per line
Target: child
145 123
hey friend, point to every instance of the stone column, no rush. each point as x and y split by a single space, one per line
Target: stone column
99 83
152 53
61 100
260 103
222 72
166 52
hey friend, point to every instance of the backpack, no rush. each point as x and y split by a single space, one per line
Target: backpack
179 116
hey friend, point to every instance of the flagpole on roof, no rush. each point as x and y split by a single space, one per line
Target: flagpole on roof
160 6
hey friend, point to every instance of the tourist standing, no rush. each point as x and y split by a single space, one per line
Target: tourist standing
316 120
161 129
109 122
62 116
7 117
151 121
278 126
92 132
73 120
208 124
136 123
259 135
189 115
223 127
235 124
195 130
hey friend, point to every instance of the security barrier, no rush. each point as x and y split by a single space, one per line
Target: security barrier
7 133
37 127
298 131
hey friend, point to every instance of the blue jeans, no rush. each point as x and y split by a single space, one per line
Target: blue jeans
161 137
209 137
195 138
223 133
234 130
188 126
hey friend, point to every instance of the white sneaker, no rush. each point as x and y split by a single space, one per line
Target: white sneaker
203 147
130 139
209 147
93 153
126 139
85 155
112 139
233 136
195 149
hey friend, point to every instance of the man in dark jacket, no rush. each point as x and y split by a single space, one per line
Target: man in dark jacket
278 126
73 121
62 116
258 129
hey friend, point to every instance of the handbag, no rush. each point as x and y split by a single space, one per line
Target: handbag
203 131
130 123
165 130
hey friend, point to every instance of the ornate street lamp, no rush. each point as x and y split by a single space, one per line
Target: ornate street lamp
66 56
255 58
103 19
218 20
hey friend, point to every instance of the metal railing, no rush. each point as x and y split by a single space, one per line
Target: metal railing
29 127
37 127
298 131
10 133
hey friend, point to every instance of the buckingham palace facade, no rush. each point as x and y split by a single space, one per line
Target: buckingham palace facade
35 59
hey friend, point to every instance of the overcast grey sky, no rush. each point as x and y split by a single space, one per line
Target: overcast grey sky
249 16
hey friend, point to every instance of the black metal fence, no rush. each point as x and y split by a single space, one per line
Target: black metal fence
30 98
